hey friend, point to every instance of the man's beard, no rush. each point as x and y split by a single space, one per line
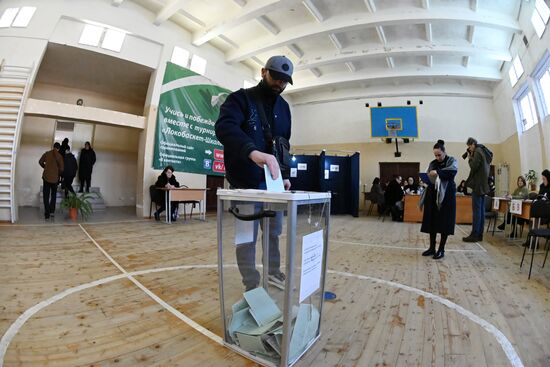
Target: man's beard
274 90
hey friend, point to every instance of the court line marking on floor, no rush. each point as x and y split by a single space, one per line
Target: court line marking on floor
506 345
399 247
14 328
53 224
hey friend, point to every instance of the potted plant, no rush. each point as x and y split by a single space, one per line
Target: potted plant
78 204
531 177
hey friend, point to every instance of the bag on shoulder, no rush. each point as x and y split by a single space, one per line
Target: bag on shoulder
281 151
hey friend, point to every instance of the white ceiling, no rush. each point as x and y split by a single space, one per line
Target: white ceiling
343 46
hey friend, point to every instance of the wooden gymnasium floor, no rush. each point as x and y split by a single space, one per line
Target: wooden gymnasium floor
64 302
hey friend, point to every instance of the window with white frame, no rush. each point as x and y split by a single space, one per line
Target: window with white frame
540 17
17 17
180 56
516 71
198 65
541 77
526 109
110 39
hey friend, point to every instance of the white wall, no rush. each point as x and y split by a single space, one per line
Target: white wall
533 148
452 118
59 21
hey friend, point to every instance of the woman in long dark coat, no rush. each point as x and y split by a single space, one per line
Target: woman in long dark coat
439 200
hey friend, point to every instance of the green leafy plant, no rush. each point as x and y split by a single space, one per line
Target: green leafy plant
531 177
80 202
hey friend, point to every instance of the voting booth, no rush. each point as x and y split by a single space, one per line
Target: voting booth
273 323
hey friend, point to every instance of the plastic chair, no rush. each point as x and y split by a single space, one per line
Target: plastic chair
540 211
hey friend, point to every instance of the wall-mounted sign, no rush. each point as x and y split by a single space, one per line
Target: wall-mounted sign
326 174
302 166
293 172
334 168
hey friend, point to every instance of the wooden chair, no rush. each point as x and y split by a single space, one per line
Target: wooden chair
540 212
490 215
153 194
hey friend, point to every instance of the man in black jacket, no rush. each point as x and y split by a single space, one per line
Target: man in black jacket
69 172
248 122
393 198
87 161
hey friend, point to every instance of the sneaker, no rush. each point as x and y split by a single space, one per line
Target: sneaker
277 279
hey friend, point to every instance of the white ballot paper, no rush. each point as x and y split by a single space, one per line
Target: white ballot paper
312 259
271 184
244 230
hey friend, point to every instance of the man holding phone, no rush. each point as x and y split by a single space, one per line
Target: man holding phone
479 160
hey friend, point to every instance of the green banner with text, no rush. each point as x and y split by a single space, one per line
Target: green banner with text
188 109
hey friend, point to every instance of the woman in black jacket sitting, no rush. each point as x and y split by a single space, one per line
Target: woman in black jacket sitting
166 180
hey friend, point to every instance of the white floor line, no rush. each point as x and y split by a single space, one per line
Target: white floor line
506 345
156 298
398 247
18 323
53 224
477 243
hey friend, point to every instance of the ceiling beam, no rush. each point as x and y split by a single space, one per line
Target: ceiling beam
428 27
296 50
380 18
370 6
426 4
389 61
268 24
440 72
116 2
429 60
381 35
316 72
473 5
250 11
171 8
335 41
351 67
308 4
313 61
241 3
465 61
363 91
471 32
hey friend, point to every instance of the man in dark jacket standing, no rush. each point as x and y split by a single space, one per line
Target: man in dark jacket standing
479 159
52 162
393 198
248 122
87 161
69 172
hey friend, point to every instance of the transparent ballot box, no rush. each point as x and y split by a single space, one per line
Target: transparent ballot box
272 282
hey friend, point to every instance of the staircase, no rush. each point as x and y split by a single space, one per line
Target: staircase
97 202
14 82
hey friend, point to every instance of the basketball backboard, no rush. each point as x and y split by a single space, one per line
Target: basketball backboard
394 122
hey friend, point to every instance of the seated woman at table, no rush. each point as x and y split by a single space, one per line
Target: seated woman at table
167 180
544 188
521 192
411 187
462 188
